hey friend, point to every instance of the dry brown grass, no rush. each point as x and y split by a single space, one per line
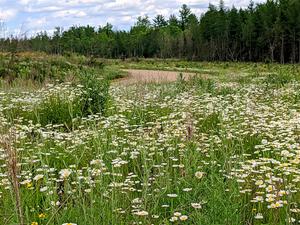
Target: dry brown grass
151 76
13 170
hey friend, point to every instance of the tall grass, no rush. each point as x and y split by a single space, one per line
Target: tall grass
95 93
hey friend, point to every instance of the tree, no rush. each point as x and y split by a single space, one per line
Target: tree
173 21
268 31
234 34
160 21
185 12
57 49
248 32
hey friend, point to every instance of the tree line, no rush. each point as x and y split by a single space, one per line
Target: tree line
267 32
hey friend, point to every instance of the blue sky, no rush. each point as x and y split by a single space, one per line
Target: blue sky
32 16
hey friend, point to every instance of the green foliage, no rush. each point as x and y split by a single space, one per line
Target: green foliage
36 70
210 124
181 84
266 32
282 77
113 73
59 110
55 109
95 94
203 84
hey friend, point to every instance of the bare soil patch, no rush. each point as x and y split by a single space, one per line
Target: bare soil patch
152 76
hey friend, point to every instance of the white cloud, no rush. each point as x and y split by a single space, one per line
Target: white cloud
69 13
31 9
31 23
7 14
47 14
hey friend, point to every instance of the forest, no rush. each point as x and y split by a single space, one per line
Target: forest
266 32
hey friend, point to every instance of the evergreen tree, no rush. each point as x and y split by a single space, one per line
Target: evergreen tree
268 31
185 13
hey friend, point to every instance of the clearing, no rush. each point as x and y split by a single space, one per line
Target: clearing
219 148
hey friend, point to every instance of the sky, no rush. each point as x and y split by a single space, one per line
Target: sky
19 17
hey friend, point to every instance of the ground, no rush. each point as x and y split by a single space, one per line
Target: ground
152 76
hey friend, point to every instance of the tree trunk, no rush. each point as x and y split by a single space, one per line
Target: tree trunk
282 50
299 51
272 53
250 50
294 48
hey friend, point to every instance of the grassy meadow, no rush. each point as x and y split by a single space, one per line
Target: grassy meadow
80 147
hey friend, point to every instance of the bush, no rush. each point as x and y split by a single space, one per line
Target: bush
283 77
113 74
203 84
95 94
59 110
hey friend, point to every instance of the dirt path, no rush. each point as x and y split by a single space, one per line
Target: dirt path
151 76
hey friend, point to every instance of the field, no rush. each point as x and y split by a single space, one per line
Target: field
91 141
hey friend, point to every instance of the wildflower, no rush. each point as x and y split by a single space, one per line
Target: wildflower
270 199
88 190
259 182
183 218
258 199
65 173
278 204
295 210
275 205
69 224
38 177
172 195
96 162
42 215
187 189
270 188
25 182
258 216
136 201
199 175
43 189
177 214
196 205
29 185
292 220
285 153
173 219
282 193
141 213
34 223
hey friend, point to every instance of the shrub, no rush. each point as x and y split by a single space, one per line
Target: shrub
95 93
181 84
57 109
203 84
112 74
210 124
282 77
